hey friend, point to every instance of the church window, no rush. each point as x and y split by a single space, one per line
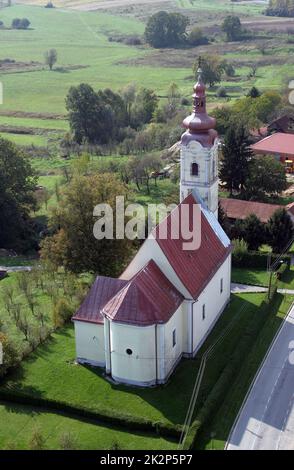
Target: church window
174 338
203 312
221 286
129 352
194 169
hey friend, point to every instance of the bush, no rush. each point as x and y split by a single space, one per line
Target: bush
18 23
256 259
197 38
62 312
221 92
49 5
240 249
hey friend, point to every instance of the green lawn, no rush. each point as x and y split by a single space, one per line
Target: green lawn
260 277
215 433
51 373
27 140
53 124
255 277
17 424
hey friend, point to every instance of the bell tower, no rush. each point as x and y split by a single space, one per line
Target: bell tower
199 151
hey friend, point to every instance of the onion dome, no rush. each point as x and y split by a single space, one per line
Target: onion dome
200 127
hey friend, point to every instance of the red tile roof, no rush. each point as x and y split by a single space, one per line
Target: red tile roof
103 289
147 299
239 210
279 143
194 268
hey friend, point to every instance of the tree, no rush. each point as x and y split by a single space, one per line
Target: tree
223 219
17 185
279 230
212 69
18 23
266 178
166 29
232 27
90 119
50 58
236 157
10 354
144 107
253 232
74 245
280 8
254 93
197 38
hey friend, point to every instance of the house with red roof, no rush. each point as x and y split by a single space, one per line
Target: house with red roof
164 305
280 145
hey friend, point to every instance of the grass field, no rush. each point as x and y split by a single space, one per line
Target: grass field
17 424
51 373
260 277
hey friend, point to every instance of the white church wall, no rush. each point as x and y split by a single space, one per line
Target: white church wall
214 301
173 330
151 250
90 343
138 368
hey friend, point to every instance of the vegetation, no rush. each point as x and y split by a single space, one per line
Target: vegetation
280 8
165 29
17 183
51 58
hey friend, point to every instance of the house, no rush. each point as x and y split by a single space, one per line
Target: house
238 209
280 145
164 305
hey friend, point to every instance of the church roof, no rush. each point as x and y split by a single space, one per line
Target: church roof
196 268
103 289
148 298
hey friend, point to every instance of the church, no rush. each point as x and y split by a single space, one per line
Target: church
164 305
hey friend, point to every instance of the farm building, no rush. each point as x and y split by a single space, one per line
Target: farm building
164 305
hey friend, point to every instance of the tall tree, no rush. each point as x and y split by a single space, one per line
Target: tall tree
90 117
279 230
17 185
212 69
166 29
253 232
236 157
74 245
50 58
232 27
266 178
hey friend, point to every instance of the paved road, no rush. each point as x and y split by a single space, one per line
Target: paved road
266 421
245 289
15 269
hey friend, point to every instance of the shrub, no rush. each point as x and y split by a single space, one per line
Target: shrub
49 5
62 312
221 92
67 441
37 440
240 249
197 38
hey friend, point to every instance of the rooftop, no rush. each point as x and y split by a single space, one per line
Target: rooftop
279 143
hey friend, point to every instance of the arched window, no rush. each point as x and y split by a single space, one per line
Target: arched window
194 169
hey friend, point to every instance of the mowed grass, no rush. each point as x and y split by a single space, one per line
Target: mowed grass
247 7
51 373
26 140
52 124
260 277
81 39
18 423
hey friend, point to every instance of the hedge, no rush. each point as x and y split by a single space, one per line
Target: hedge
219 391
104 416
256 259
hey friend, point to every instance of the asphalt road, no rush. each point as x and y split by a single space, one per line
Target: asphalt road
266 421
